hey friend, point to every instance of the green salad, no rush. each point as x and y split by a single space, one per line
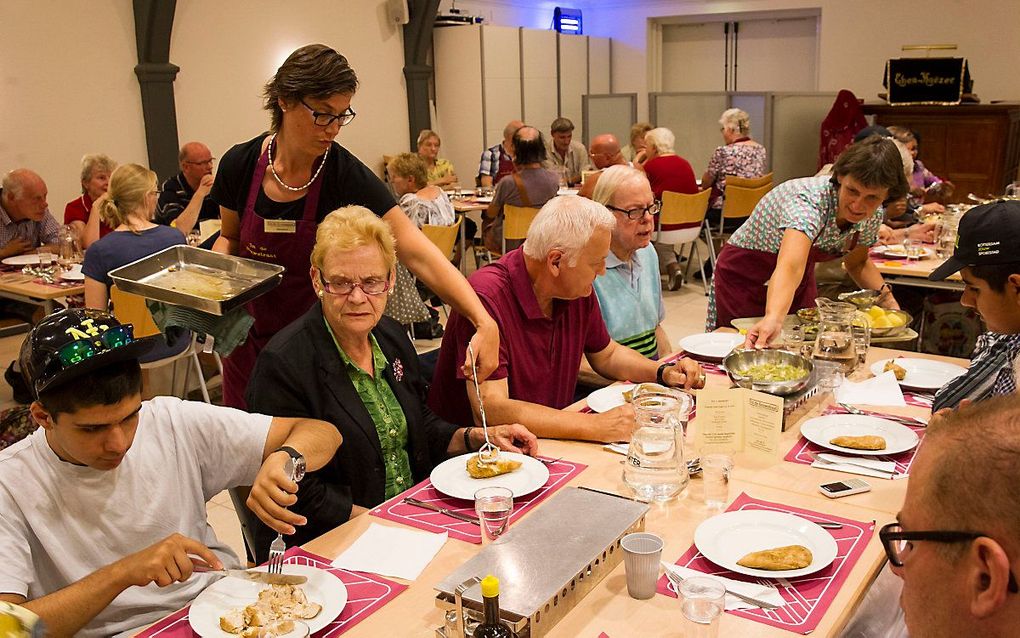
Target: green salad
774 372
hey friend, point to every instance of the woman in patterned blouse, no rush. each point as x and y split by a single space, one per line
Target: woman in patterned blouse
798 223
740 156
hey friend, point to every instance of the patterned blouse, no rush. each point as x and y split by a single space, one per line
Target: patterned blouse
442 168
434 212
742 160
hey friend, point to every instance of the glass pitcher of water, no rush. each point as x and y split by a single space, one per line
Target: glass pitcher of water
835 340
655 467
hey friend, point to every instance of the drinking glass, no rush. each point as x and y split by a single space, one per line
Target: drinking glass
702 601
830 375
494 506
913 248
862 340
46 258
716 465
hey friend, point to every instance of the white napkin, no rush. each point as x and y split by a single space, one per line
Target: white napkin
880 390
856 469
391 551
763 593
618 448
856 465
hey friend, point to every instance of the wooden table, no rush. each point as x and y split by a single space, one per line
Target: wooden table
915 273
608 608
464 207
22 287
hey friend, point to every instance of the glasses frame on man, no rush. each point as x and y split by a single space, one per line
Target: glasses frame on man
372 287
637 213
205 162
324 120
892 533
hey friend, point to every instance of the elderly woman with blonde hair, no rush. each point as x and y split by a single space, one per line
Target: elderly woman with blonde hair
95 180
345 363
440 171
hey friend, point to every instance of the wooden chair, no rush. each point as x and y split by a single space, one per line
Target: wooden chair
444 237
739 199
682 221
748 182
130 308
516 222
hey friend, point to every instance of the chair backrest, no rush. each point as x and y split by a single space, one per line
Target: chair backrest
129 308
739 201
517 220
444 237
386 159
681 211
749 182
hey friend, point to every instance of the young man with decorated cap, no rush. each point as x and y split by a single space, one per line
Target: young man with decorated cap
987 256
102 510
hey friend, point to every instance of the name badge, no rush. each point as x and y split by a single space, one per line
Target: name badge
280 225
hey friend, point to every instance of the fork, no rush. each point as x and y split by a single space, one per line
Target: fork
676 579
905 420
278 546
488 453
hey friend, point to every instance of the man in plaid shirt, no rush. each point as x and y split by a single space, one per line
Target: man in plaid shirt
987 255
25 219
496 161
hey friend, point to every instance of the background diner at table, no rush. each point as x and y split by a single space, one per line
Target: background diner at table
440 171
95 180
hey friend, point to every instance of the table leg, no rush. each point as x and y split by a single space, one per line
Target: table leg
48 306
463 250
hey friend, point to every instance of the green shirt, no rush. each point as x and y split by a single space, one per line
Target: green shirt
386 413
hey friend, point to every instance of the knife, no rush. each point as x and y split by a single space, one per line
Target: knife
442 510
261 577
870 464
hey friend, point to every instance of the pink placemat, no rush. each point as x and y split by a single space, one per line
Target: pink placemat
708 367
801 451
366 593
918 399
396 510
808 597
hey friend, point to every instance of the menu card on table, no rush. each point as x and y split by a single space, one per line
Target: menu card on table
740 419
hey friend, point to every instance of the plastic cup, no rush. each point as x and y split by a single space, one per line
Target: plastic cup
702 601
641 554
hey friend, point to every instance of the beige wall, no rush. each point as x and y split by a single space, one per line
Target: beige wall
68 84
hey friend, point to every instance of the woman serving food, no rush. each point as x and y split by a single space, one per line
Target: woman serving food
274 189
767 266
356 369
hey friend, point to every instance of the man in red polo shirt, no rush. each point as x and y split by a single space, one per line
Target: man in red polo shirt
541 297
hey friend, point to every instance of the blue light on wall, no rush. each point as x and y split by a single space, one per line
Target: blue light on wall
567 20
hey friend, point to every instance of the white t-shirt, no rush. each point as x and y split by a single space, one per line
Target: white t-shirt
60 522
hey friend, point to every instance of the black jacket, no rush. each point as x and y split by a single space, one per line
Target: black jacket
300 374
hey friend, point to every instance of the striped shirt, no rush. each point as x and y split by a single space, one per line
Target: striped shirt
991 372
35 233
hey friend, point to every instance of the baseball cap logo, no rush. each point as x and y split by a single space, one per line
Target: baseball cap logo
86 330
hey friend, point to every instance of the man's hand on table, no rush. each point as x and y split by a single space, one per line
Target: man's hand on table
512 437
169 561
273 492
16 246
687 373
614 425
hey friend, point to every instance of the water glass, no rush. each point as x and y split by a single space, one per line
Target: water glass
494 506
702 601
641 555
46 258
716 465
913 248
862 341
655 468
830 375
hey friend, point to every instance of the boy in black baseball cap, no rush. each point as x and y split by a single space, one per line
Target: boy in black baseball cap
987 256
109 495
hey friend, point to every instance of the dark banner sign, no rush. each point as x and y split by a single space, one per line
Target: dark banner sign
927 80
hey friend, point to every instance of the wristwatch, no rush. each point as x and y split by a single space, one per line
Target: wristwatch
298 460
662 370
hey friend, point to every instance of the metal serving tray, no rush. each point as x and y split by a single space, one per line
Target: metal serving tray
550 560
242 279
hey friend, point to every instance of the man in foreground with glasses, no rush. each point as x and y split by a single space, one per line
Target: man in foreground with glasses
605 152
103 509
541 297
184 198
956 543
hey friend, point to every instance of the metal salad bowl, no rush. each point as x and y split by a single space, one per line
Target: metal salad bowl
739 361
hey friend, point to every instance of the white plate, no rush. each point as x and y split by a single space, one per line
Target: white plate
820 430
451 477
728 537
922 374
229 593
484 199
567 191
73 274
897 251
609 397
713 346
21 260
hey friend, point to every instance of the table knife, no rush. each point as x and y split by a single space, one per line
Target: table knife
442 510
262 577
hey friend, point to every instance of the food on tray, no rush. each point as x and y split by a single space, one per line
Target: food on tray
773 372
198 284
869 442
271 614
643 388
778 559
897 370
808 315
878 317
495 467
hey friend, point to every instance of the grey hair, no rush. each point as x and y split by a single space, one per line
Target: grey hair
736 120
566 223
12 185
92 162
662 139
426 134
612 179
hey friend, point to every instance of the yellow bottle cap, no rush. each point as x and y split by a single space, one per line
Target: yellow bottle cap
490 586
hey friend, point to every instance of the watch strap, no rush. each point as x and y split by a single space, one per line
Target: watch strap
294 454
661 371
467 439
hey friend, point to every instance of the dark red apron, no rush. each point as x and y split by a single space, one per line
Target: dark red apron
741 274
506 167
289 300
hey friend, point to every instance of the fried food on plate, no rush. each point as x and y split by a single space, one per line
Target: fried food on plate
778 559
643 388
495 467
869 442
271 614
897 369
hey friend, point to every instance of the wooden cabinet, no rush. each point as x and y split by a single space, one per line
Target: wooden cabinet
975 146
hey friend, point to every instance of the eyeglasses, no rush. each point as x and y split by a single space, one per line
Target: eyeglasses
81 349
325 119
637 213
208 162
372 286
895 541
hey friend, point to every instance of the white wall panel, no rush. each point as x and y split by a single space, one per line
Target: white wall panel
458 82
501 78
539 80
573 65
598 66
